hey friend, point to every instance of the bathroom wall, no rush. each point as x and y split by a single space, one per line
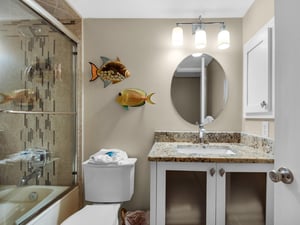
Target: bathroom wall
259 14
144 46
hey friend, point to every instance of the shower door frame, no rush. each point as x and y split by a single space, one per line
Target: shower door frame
58 25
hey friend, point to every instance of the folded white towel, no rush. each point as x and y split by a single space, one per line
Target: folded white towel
108 156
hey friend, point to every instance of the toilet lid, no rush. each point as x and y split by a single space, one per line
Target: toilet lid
101 214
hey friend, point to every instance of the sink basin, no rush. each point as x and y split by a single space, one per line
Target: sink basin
204 149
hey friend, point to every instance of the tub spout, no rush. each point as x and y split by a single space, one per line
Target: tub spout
35 174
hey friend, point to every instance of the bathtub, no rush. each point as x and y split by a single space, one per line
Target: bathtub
19 204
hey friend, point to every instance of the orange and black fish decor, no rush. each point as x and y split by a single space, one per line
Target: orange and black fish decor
111 71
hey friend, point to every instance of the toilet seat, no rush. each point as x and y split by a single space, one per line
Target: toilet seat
99 214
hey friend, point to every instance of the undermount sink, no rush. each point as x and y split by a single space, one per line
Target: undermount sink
204 149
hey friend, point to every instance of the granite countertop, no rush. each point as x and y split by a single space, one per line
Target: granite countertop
164 149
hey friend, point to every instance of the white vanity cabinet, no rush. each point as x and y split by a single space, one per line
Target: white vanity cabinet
258 75
210 193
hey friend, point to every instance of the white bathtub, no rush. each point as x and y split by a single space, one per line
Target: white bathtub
17 204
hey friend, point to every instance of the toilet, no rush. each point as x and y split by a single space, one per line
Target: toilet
106 187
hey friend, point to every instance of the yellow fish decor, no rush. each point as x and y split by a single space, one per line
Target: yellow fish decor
111 71
133 97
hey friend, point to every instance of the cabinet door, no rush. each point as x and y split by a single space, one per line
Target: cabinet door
258 74
185 194
244 194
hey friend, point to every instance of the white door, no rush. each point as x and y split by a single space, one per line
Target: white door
287 113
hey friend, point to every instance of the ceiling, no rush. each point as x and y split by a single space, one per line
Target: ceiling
160 8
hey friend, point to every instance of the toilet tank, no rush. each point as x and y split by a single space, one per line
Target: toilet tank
106 183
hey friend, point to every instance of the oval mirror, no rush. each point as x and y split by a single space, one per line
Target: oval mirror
199 89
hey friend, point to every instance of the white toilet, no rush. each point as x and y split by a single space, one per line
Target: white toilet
106 187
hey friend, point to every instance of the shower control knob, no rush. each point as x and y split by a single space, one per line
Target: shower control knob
282 174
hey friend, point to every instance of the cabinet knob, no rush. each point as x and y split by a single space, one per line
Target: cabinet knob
263 104
282 174
221 172
212 171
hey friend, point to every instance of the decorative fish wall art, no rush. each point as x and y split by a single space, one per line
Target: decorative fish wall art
133 97
21 97
111 71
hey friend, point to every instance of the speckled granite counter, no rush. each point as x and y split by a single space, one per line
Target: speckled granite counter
247 148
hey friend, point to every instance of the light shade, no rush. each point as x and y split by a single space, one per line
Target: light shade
177 36
223 39
200 38
197 54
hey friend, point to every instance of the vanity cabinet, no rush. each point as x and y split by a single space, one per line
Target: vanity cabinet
258 75
203 193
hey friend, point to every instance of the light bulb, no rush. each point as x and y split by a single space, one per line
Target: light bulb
200 38
177 36
223 38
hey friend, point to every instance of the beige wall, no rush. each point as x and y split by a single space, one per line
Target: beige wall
259 14
144 47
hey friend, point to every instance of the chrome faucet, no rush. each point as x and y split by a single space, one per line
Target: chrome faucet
35 174
202 133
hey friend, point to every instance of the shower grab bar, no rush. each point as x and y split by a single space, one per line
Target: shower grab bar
36 113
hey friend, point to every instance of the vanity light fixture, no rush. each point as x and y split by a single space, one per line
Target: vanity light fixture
223 38
200 34
177 36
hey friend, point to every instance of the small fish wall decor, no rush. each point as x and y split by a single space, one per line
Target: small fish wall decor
133 97
111 71
21 97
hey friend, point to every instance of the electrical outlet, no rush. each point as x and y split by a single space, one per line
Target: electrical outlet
265 129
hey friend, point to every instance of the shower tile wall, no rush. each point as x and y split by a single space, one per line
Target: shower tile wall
35 56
